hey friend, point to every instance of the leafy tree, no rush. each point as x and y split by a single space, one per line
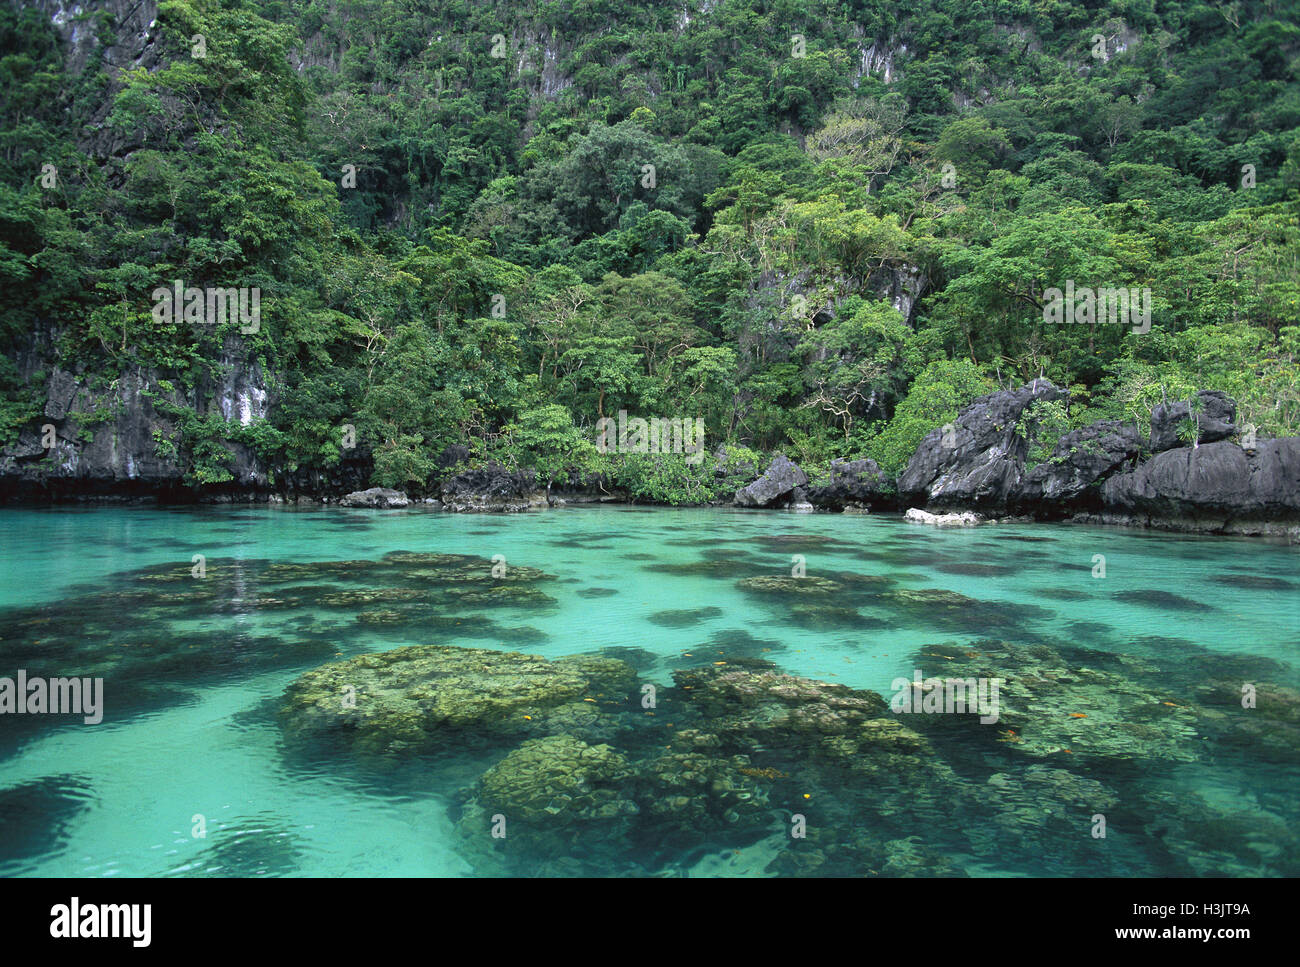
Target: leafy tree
938 392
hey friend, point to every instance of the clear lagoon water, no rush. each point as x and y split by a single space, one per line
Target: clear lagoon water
193 685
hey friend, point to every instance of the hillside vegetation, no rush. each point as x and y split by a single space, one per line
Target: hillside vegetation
819 227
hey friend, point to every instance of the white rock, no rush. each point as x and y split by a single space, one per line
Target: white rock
964 519
375 497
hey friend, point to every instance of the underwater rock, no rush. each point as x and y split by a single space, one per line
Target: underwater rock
1203 664
558 781
1257 582
1192 837
520 633
711 568
734 645
856 852
1044 814
786 585
910 857
1061 594
683 619
87 634
501 596
387 617
284 571
361 597
436 568
172 605
752 710
936 606
1261 717
1090 631
430 619
739 731
789 542
859 584
1048 705
424 558
686 794
474 571
424 697
976 569
638 658
35 815
1166 601
245 847
559 798
823 617
427 620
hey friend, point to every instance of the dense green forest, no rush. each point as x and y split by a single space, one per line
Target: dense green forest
821 227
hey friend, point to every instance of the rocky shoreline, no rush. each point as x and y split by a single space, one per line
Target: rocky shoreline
977 467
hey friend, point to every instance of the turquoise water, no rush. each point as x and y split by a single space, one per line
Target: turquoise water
190 727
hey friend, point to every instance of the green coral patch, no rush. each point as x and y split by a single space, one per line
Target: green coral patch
417 698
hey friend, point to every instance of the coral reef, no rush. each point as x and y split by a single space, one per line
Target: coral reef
427 697
1053 706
